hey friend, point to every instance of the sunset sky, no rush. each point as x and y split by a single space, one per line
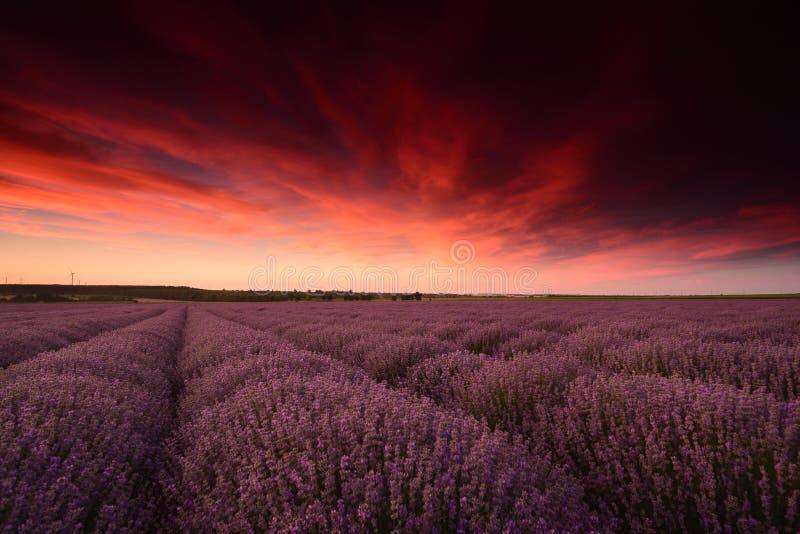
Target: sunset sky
611 152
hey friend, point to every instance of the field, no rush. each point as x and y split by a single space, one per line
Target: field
515 416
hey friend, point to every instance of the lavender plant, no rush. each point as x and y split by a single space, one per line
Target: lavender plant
82 432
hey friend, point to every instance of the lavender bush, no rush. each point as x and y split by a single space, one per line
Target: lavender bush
509 394
296 442
24 338
672 454
506 416
742 356
83 429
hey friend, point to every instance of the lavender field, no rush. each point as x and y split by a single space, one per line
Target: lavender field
484 416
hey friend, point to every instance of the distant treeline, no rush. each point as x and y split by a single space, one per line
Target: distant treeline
66 293
83 293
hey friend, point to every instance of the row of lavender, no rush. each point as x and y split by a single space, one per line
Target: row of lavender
747 344
272 438
605 390
267 437
82 431
24 335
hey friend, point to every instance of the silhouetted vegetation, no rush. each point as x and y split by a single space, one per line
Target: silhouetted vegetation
121 293
66 293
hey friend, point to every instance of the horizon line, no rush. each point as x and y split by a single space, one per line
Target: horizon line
484 295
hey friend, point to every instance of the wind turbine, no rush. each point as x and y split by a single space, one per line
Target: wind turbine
71 277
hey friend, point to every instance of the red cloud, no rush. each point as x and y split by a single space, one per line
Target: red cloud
220 130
